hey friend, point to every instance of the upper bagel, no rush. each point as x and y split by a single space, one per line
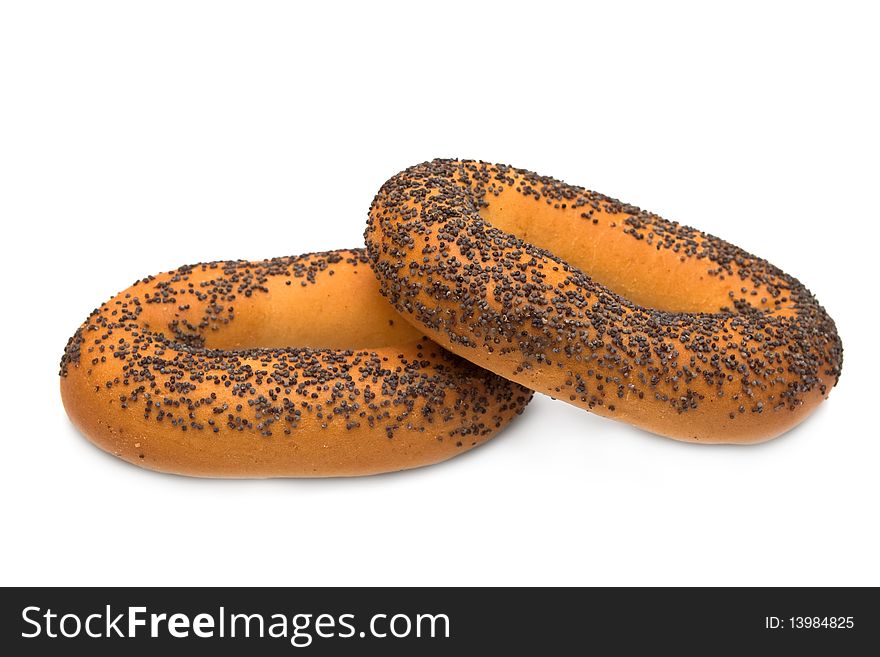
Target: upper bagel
601 304
285 367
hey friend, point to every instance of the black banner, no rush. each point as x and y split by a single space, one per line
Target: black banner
433 621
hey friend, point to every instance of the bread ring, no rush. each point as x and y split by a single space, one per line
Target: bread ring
698 340
192 372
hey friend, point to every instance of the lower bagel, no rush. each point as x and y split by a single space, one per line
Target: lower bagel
290 367
601 304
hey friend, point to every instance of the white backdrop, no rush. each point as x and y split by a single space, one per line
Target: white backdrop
136 137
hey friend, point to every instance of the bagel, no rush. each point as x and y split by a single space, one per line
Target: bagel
290 367
601 304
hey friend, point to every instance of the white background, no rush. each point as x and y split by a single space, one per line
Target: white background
136 137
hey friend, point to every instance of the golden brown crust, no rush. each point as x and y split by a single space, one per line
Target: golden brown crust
285 367
601 304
